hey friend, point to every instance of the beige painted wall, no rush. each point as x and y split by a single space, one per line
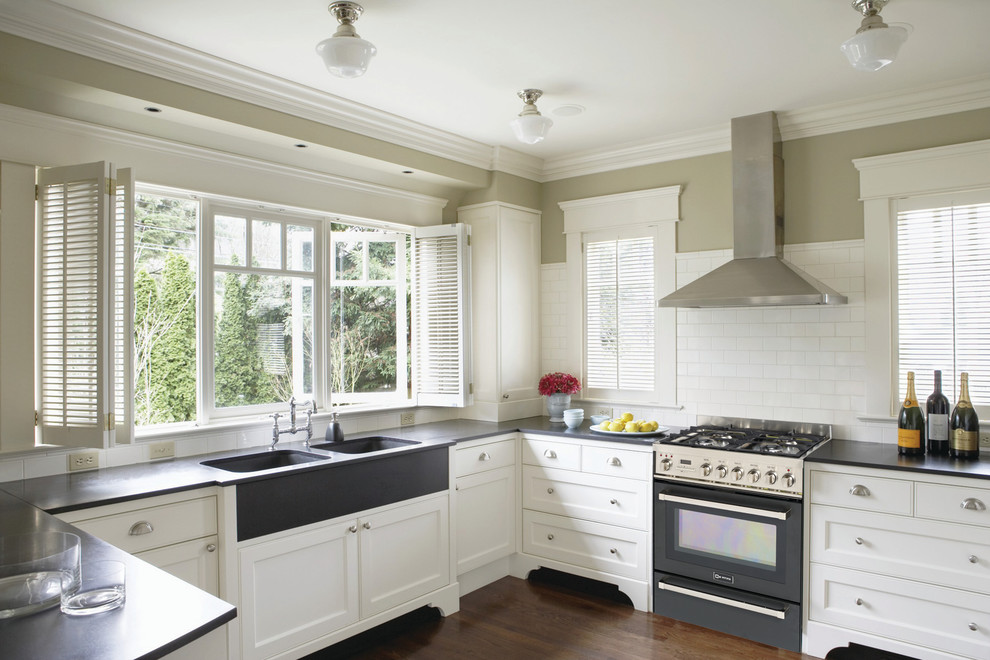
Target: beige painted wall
509 189
821 186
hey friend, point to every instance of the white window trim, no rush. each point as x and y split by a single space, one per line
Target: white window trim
658 208
882 181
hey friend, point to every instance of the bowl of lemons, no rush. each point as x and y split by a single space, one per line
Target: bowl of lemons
626 424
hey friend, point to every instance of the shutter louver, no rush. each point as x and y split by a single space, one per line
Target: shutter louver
943 290
123 311
73 233
440 313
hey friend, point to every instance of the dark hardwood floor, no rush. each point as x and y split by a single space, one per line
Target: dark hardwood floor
514 619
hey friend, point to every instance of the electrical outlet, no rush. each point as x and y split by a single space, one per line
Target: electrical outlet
407 418
163 449
985 438
84 460
603 410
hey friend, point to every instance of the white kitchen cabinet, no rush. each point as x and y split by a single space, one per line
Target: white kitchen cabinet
299 587
898 560
486 510
176 532
505 295
587 510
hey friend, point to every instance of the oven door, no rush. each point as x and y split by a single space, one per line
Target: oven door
735 540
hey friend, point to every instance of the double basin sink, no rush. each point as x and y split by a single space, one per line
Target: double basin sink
267 460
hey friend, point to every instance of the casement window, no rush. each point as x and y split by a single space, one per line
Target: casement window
942 295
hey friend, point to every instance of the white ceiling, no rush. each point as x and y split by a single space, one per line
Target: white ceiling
644 70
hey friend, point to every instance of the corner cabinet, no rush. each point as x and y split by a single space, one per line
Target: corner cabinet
899 560
505 294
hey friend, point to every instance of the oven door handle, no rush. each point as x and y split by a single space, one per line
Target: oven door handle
777 614
763 513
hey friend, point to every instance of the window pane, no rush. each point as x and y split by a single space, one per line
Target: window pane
229 240
263 339
266 244
362 340
381 260
348 260
300 248
165 253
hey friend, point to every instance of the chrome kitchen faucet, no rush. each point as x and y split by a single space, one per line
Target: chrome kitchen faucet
276 431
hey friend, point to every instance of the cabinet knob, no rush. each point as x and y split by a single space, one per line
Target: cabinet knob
972 504
367 525
859 601
613 501
859 540
485 456
550 491
973 626
550 453
211 547
141 528
549 537
973 559
860 490
614 551
614 461
505 396
352 529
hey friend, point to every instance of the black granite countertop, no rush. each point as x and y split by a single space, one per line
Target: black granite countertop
878 455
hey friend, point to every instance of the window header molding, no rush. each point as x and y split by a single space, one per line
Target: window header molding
639 207
953 168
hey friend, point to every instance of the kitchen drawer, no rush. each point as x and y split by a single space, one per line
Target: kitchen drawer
862 492
617 462
551 454
963 504
935 552
488 456
615 550
153 527
610 500
927 615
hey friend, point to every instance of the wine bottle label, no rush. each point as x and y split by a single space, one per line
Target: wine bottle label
909 438
965 440
938 427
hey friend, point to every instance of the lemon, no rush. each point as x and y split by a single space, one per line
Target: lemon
615 426
632 427
627 417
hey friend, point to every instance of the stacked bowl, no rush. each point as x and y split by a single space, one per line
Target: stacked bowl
573 417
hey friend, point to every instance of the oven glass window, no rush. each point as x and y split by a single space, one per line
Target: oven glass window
733 539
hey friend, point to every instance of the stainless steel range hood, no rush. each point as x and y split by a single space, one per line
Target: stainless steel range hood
757 275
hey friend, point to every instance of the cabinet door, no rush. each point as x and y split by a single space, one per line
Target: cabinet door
195 561
486 518
405 553
297 588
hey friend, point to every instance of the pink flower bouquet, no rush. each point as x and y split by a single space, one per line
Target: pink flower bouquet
559 383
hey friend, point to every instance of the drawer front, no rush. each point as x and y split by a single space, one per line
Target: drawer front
605 548
861 492
489 456
617 462
962 504
927 615
155 527
610 500
551 454
938 553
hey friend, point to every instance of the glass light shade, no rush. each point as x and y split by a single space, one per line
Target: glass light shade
873 49
346 57
531 128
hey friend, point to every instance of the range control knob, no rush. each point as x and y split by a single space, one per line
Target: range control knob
754 475
789 480
721 471
737 473
706 469
771 477
666 464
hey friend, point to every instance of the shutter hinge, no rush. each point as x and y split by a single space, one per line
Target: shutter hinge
37 192
470 388
469 240
35 417
110 422
111 186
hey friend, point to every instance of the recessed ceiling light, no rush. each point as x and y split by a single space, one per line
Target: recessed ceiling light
407 171
152 108
570 110
301 145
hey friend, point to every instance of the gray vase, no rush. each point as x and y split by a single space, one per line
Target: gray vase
557 404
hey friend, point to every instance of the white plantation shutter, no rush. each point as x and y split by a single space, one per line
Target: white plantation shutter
441 310
620 317
123 307
74 243
943 293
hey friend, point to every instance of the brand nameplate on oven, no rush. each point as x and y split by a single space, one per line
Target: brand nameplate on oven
723 578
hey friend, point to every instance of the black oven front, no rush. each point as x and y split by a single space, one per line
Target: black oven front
730 561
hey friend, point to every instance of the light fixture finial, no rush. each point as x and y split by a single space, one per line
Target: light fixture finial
346 54
530 126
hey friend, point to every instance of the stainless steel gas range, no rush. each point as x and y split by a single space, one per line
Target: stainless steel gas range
728 526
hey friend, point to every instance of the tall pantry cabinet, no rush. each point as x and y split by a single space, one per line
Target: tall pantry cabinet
505 315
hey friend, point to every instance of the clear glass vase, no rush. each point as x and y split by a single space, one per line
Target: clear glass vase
557 404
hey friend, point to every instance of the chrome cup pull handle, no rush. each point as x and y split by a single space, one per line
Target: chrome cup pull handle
550 454
614 461
485 456
972 504
141 528
860 490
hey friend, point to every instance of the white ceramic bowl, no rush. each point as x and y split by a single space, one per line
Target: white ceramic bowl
598 419
573 417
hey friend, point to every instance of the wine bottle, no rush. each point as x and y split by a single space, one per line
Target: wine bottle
910 423
937 409
964 425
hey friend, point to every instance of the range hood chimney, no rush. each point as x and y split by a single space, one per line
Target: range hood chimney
757 275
